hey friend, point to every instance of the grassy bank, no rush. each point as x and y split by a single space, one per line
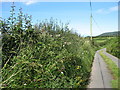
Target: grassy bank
113 68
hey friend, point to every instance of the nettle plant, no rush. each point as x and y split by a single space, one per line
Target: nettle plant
45 55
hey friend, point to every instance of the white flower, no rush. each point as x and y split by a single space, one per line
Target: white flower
58 35
25 84
65 42
50 35
69 43
62 73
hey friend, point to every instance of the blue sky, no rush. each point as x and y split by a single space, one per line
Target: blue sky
76 13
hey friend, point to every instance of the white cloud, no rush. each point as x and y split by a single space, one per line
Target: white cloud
114 8
107 11
27 2
100 11
30 2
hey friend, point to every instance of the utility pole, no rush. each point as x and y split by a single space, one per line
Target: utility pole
91 26
91 21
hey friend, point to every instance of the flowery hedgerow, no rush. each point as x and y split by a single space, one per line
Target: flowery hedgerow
52 59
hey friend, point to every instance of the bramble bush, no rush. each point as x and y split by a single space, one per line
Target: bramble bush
45 55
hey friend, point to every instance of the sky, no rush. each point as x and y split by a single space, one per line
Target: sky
76 13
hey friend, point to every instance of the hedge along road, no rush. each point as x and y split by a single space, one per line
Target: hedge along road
113 58
100 75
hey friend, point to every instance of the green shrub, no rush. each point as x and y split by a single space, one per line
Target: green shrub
113 47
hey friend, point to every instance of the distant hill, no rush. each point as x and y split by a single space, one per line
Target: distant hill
116 33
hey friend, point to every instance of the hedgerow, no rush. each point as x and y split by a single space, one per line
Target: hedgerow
45 55
113 47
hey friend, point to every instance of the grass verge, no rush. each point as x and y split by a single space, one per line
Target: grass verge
113 68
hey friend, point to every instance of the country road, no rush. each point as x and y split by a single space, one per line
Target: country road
100 75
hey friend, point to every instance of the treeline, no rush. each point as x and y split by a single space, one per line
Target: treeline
45 55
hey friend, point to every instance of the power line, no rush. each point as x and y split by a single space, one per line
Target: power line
92 18
96 23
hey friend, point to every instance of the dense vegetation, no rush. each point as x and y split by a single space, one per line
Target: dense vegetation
45 55
113 47
110 43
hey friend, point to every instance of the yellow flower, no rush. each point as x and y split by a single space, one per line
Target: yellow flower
78 83
78 67
81 80
61 61
78 78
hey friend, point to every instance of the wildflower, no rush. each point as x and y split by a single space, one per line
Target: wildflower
65 42
34 80
78 83
58 35
25 84
51 35
62 73
78 67
63 45
78 78
61 61
81 80
69 43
